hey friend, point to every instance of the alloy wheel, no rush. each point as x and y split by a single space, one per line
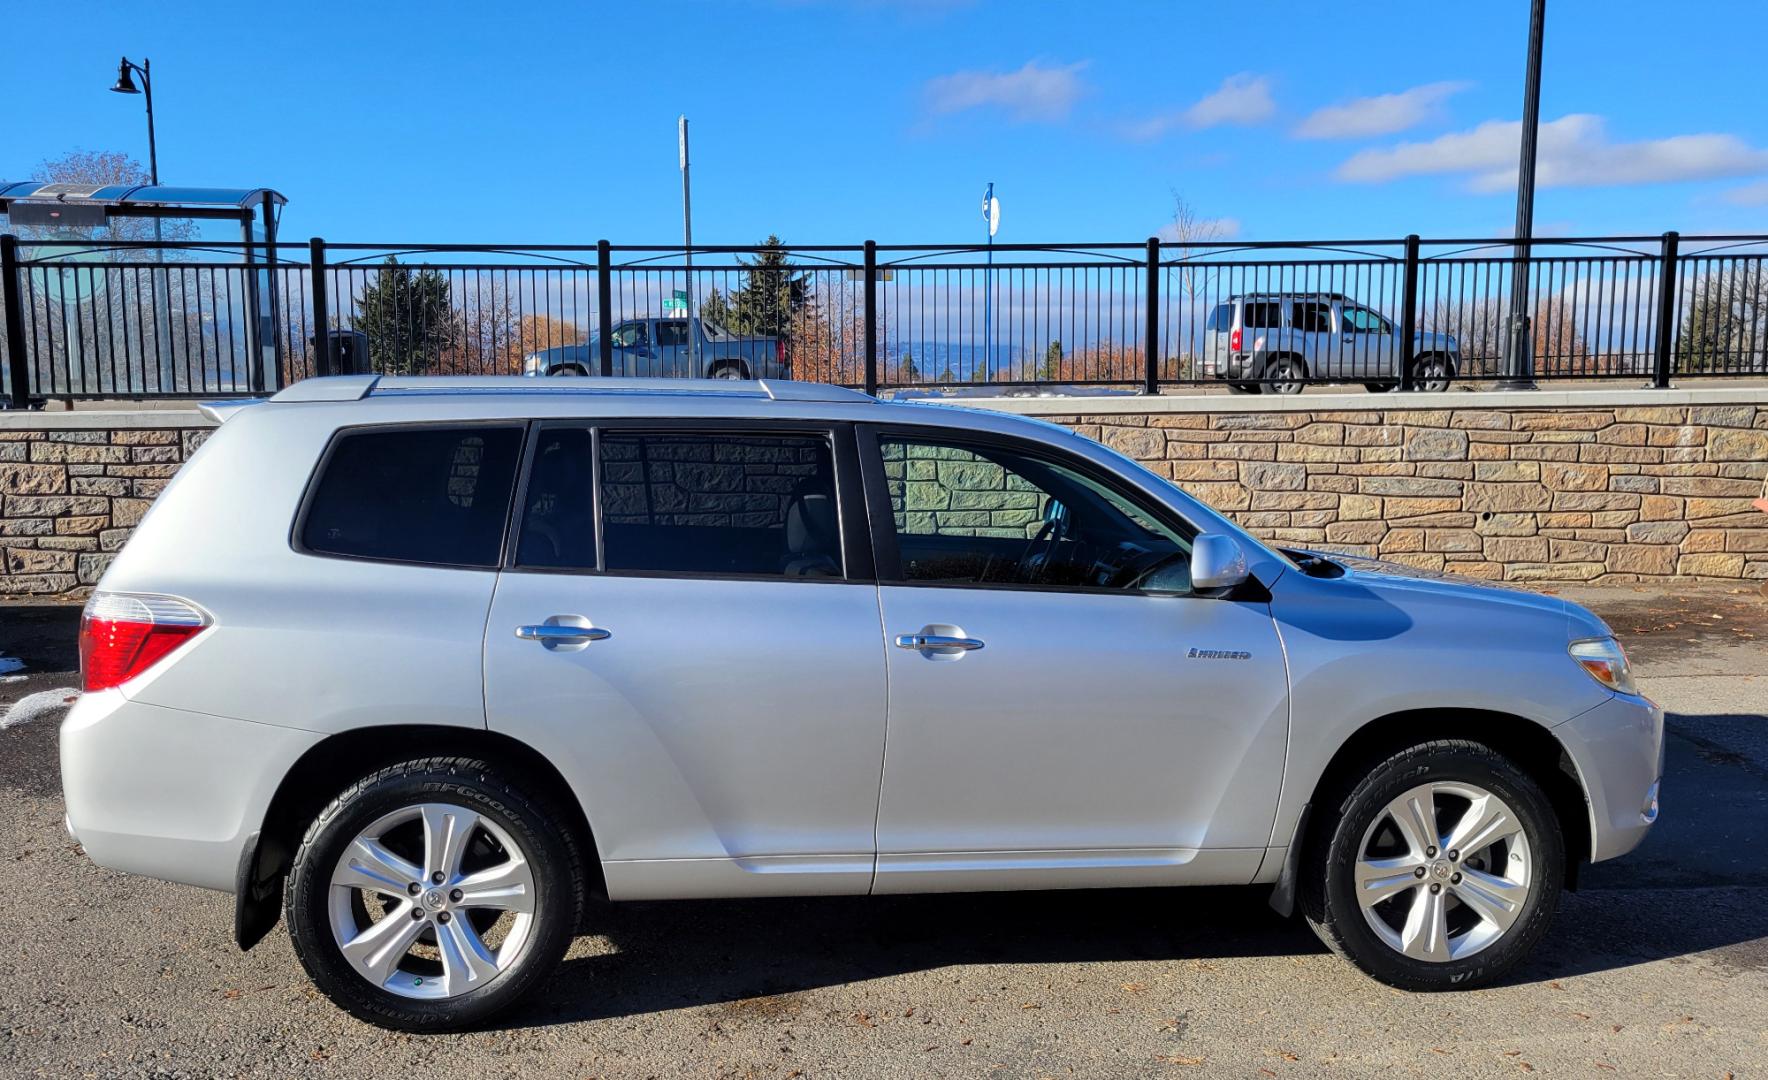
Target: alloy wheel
1443 871
432 901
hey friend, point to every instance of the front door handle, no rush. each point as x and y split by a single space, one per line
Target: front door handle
937 641
551 634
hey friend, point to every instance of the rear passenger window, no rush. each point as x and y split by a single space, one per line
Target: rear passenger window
424 495
716 503
1263 314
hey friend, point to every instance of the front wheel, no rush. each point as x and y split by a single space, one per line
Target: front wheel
433 894
1440 870
1432 373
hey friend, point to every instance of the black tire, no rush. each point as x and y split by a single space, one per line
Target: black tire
728 369
567 369
1244 388
553 855
1380 387
1328 890
1285 375
1433 373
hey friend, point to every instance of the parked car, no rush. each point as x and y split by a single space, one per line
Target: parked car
659 347
1282 341
468 658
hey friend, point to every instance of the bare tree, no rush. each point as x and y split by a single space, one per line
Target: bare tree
1188 232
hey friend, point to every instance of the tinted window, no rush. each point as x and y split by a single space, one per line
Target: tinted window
1312 317
428 495
672 332
1263 314
558 512
715 503
990 516
1364 321
1222 318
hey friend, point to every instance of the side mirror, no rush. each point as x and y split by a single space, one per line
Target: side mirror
1217 562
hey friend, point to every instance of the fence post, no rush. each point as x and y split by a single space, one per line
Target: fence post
1151 353
1666 315
872 317
16 363
604 302
1409 315
321 307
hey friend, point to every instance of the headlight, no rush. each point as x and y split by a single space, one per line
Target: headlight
1606 662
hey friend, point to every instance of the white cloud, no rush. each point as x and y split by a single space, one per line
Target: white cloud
1034 92
1749 194
1242 100
1383 114
1204 231
1574 151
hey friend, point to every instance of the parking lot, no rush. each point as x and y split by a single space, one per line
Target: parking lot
1659 966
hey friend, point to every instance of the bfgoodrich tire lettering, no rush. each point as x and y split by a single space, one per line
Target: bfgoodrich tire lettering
518 884
1491 904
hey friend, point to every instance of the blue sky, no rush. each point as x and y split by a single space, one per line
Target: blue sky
836 121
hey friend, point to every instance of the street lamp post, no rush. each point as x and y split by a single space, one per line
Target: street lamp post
1519 372
157 283
126 85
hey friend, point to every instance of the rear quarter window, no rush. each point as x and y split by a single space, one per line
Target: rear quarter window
1222 318
437 495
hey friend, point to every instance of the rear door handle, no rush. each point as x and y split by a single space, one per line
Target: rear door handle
559 634
937 641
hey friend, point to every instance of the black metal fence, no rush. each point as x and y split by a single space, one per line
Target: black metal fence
119 319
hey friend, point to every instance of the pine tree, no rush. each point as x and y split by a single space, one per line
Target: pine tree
908 372
772 294
1051 370
408 317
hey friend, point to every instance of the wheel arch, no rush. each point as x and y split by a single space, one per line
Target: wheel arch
334 763
1531 745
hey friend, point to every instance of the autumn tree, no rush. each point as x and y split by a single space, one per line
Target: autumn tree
1723 322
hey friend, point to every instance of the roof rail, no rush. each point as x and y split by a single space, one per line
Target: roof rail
356 387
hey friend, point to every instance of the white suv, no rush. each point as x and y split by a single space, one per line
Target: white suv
428 664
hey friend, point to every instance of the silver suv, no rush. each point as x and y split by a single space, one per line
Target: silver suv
1282 341
426 666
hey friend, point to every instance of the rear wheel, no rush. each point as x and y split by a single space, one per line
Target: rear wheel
729 369
1440 870
433 894
1286 375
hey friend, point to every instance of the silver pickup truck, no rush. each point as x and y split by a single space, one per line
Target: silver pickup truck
647 348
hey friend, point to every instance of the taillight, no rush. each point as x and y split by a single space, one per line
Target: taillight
1234 340
122 635
779 350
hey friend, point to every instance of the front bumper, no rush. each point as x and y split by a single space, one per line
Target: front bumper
1618 749
169 793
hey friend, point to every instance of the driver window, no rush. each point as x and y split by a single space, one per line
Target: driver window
631 335
987 515
1364 321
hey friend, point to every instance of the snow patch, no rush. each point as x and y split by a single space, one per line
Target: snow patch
37 706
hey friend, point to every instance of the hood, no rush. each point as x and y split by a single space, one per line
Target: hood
1382 576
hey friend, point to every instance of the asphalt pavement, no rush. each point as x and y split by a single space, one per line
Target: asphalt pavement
1658 966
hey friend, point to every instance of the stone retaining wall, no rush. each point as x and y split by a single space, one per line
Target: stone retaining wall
69 499
1561 494
1537 488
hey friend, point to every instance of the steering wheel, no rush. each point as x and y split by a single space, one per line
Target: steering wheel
1029 571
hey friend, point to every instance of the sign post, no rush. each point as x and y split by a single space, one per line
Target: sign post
991 213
